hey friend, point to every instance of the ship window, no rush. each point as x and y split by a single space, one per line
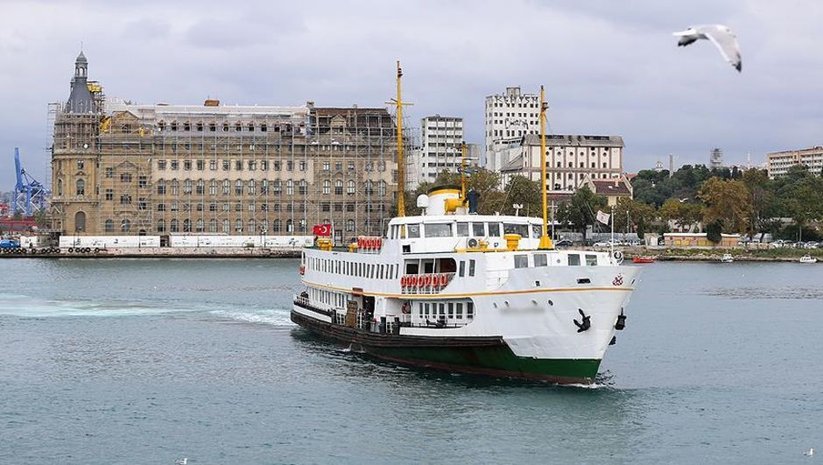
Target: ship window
591 260
438 230
512 228
521 261
540 259
471 267
428 266
442 310
413 230
451 309
478 229
459 310
537 230
470 310
462 229
412 267
427 310
574 259
495 229
462 269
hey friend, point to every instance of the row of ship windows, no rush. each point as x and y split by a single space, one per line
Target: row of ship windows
463 229
361 270
541 259
445 310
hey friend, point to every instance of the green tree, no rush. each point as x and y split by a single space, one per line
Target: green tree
581 209
520 190
683 214
762 198
638 215
727 202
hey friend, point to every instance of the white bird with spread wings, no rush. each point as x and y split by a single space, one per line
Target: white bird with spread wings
721 36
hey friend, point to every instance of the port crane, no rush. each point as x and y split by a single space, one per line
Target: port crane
30 196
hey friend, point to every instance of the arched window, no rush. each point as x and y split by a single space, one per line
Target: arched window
276 226
327 187
381 188
161 225
80 187
238 225
349 225
289 187
125 225
238 187
187 225
174 226
278 186
108 226
338 187
252 187
369 187
187 186
175 187
199 225
226 227
226 186
350 188
161 187
213 187
80 221
59 187
212 225
289 226
303 188
252 226
201 187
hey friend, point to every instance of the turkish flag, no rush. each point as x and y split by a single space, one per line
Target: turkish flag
321 230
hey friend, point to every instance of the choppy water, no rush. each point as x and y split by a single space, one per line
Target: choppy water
148 361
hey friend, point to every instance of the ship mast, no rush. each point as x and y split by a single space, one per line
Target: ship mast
401 172
545 242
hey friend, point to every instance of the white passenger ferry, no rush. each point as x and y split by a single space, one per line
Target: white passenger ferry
469 293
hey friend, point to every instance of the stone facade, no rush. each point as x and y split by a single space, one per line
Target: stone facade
125 169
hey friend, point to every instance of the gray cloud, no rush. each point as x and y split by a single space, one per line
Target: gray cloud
608 67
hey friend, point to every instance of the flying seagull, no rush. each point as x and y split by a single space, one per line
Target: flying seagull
721 36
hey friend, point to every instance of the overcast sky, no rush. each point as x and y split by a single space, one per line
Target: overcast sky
609 67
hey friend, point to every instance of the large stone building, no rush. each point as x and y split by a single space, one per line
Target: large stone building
508 118
778 163
122 169
570 159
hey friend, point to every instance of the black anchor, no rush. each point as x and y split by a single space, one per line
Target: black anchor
585 324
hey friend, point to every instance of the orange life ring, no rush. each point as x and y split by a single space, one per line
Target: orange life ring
379 243
427 280
444 279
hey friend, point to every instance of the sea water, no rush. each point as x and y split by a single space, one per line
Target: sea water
150 361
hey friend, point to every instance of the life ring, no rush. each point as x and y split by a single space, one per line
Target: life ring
618 256
404 281
427 280
420 281
443 280
406 309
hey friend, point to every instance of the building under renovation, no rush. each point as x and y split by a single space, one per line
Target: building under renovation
122 169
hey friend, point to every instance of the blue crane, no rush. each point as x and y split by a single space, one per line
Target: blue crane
29 195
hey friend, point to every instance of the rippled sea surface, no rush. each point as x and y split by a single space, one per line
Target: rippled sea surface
150 361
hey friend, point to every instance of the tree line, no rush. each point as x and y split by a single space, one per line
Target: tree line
695 198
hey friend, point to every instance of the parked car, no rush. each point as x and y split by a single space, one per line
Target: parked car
9 244
563 243
605 244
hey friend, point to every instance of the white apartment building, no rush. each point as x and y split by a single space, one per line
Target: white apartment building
778 163
508 118
440 147
571 159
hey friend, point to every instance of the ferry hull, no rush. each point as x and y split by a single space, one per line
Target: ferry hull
481 355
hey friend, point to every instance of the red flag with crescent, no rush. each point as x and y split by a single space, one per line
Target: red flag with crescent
322 230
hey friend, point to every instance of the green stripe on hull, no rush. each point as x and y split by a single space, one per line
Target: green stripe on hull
494 361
